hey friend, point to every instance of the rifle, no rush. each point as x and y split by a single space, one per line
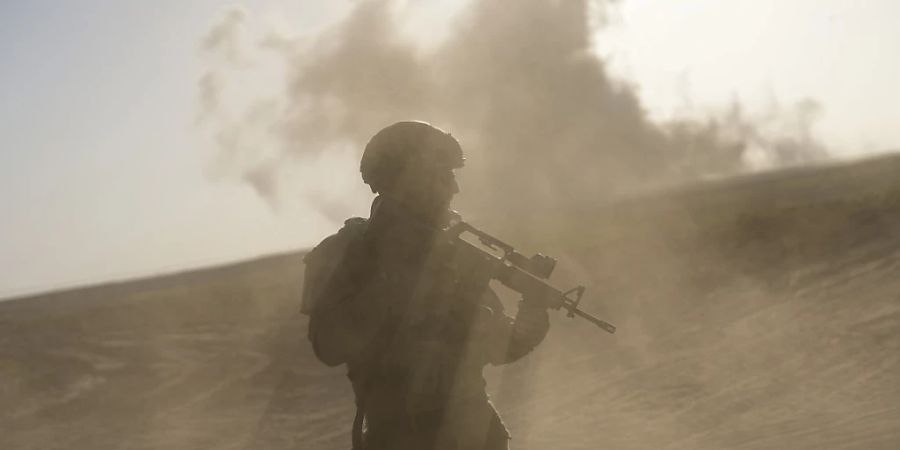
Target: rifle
527 276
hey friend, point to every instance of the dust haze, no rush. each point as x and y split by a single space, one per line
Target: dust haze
754 310
521 86
755 313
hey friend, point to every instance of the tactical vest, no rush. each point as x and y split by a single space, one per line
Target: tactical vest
322 264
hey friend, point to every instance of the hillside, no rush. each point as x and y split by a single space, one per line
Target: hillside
760 312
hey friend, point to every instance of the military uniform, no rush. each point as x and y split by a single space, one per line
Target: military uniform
381 301
384 298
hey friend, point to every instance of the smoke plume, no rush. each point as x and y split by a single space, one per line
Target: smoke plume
519 84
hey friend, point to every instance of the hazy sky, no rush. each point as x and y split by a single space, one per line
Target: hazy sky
104 173
839 52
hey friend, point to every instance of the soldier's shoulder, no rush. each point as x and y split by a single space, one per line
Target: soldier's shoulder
354 228
355 225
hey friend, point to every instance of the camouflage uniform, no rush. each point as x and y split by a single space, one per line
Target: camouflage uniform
381 301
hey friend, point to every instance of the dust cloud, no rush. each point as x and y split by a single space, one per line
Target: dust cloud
522 88
766 317
755 312
551 137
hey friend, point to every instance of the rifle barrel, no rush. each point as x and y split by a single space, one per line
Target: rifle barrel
610 328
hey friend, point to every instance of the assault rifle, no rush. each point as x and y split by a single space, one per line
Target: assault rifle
527 276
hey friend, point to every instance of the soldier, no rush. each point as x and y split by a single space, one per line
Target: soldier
383 301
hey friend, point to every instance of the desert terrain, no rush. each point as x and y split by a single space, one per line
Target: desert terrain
760 312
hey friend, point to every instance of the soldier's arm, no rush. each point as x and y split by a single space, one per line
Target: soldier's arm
509 339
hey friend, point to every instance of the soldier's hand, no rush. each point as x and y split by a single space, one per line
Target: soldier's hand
532 321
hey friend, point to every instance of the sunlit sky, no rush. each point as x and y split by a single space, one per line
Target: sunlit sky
104 175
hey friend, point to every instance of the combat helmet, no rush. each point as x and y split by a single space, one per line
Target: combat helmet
408 145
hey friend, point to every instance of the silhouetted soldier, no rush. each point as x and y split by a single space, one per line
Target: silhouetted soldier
382 300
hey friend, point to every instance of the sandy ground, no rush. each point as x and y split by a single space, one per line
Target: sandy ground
752 315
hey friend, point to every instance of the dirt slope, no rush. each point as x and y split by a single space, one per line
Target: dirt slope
756 313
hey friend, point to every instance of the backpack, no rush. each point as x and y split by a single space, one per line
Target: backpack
322 261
